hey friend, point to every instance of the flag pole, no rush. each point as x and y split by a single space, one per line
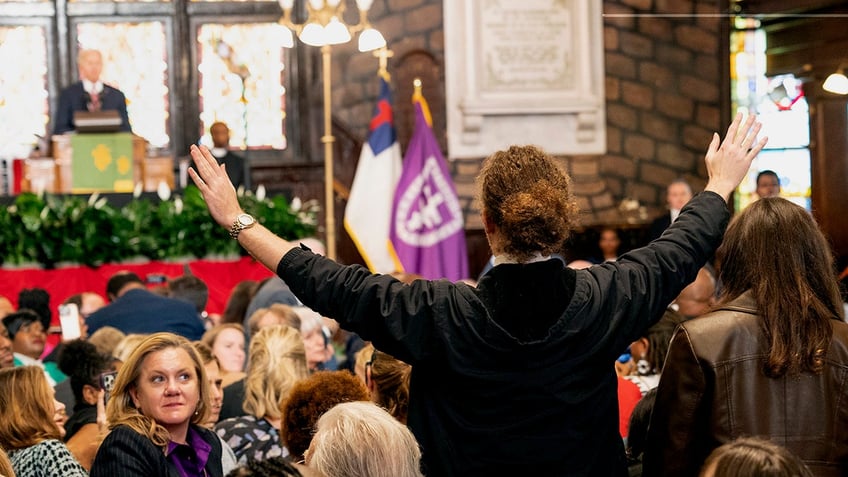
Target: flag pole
328 139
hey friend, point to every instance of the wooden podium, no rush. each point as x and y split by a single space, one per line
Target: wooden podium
105 155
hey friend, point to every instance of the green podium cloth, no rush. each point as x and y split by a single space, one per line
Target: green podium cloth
102 162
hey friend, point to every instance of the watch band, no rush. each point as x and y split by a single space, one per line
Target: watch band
243 221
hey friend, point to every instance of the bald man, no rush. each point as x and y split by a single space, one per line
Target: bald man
89 94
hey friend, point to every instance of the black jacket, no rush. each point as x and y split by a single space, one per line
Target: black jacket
515 377
126 453
713 390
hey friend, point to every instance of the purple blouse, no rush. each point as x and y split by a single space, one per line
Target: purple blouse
190 458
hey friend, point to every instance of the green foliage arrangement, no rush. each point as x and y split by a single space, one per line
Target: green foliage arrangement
51 229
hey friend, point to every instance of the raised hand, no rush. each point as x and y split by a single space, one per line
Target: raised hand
728 161
216 187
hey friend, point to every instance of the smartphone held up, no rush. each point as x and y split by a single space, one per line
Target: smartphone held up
69 319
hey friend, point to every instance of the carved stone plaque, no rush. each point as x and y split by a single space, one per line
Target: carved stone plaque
528 72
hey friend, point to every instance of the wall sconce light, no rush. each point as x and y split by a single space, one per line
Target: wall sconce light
836 83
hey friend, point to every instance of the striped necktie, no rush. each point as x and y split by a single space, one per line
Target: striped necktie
95 101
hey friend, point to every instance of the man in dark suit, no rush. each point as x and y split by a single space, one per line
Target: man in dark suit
234 163
89 94
134 309
679 192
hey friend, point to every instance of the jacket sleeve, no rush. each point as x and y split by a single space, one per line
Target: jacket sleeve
127 453
400 319
633 292
122 111
677 442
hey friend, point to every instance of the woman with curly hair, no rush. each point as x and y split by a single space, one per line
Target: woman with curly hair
309 399
276 361
514 375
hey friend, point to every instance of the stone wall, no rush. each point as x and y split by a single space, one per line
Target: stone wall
663 89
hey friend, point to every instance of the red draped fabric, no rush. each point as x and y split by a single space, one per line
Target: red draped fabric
220 276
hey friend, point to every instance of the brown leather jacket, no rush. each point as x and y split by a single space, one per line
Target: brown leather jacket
713 390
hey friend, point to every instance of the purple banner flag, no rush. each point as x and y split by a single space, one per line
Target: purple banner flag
427 228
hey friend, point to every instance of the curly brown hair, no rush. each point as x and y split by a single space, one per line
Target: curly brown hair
309 399
528 197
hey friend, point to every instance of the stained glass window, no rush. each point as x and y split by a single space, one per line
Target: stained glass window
782 108
120 1
135 61
24 109
241 83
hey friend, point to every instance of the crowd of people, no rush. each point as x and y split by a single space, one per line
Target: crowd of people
707 352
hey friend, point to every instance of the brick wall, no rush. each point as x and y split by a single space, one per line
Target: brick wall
663 94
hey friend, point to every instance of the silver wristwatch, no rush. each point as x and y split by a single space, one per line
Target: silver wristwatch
243 221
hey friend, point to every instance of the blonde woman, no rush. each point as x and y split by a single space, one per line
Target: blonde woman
276 361
30 426
127 345
159 402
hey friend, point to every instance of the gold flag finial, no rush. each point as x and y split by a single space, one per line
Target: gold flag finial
418 97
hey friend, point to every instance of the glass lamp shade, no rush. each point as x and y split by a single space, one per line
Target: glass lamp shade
371 39
364 5
313 34
286 37
336 32
286 4
836 83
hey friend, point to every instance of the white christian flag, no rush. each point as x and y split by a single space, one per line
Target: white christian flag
369 208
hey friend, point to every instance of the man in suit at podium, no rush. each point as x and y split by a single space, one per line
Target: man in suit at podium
89 94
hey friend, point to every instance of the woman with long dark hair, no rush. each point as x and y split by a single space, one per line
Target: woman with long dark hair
770 361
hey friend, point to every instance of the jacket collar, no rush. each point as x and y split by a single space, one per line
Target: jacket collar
744 303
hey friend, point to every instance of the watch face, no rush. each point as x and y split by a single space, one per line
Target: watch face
245 219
